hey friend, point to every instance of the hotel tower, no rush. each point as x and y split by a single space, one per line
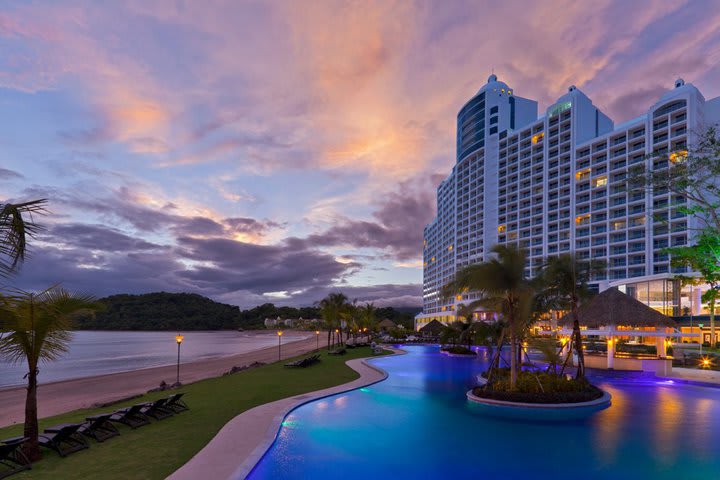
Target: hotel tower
555 183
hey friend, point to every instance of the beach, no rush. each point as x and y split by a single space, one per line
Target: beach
64 396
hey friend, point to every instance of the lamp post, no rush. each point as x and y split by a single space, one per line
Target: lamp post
178 339
701 337
279 344
317 340
337 332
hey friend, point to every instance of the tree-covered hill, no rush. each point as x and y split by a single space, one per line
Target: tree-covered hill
161 311
189 311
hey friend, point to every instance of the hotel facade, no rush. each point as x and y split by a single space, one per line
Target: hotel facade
556 183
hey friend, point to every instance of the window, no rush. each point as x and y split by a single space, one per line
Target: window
493 110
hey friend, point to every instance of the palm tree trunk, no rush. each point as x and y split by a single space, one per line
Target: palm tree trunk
496 358
578 342
513 359
31 449
328 339
712 323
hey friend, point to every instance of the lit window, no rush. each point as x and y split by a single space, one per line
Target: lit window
601 181
459 297
537 137
501 228
582 219
582 174
432 259
450 247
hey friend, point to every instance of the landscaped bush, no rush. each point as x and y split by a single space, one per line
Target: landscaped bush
555 389
457 350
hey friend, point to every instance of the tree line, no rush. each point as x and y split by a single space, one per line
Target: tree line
190 311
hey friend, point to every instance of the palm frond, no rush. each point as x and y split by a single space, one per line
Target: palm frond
15 229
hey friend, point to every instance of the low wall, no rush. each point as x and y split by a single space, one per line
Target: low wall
659 366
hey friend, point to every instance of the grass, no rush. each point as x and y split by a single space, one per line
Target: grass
156 450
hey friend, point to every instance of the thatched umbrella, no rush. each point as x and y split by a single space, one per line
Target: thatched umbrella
612 307
386 324
433 329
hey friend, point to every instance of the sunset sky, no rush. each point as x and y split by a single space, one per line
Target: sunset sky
274 151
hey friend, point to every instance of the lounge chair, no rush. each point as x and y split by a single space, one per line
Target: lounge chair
340 351
131 416
99 427
157 409
175 403
305 362
12 457
64 439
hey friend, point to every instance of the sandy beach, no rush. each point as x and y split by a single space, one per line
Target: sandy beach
60 397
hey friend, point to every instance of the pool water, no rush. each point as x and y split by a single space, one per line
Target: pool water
417 424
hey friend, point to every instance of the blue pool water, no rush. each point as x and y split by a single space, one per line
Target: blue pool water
417 424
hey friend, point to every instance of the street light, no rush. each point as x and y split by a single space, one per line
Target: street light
701 337
279 344
317 340
337 332
178 339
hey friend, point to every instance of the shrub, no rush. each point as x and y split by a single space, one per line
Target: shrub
555 389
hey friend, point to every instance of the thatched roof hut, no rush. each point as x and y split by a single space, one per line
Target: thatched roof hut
433 328
612 307
386 324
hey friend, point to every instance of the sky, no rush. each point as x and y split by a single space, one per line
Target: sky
276 151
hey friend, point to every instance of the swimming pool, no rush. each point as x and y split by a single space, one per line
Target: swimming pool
417 424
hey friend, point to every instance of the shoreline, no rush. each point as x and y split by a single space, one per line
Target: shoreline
4 388
63 396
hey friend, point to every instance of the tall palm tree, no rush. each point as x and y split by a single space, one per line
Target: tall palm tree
367 316
504 289
38 330
331 309
15 228
566 282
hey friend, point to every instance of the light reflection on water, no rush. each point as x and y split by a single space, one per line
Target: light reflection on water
418 424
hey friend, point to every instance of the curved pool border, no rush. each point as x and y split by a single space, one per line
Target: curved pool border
250 434
545 411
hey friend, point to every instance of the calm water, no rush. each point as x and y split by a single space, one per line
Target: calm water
418 425
96 353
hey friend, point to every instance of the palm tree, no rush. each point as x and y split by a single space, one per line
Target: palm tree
566 285
367 316
15 229
38 329
331 309
504 289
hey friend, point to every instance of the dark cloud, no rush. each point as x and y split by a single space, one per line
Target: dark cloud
96 237
259 268
6 174
636 102
397 229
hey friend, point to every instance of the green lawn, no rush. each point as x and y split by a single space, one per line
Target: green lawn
156 450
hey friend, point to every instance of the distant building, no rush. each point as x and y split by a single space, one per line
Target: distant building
556 183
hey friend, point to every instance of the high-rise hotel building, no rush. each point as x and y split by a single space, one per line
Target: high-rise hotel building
557 183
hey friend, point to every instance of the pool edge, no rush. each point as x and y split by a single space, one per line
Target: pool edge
215 460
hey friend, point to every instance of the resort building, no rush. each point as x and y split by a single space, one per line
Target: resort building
556 183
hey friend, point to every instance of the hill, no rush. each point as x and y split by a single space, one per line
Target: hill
161 311
189 311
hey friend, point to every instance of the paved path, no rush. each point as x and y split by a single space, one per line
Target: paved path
65 396
242 442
